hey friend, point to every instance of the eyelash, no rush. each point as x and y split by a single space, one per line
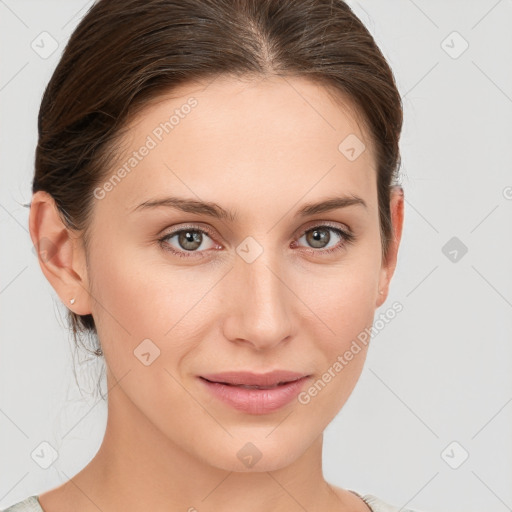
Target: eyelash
348 238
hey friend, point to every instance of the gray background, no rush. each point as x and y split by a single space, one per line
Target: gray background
439 373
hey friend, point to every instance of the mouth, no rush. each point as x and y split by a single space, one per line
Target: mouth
255 394
249 380
254 386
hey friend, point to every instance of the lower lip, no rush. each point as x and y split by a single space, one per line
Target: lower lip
256 401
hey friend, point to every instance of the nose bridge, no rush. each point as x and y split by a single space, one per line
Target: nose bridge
259 311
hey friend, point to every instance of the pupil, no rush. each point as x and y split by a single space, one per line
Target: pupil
318 236
190 237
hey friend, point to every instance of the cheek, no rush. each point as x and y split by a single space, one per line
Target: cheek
347 311
139 298
343 296
348 315
124 295
126 298
344 305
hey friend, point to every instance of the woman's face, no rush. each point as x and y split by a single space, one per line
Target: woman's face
256 290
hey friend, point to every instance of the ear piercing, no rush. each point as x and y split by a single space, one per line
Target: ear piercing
381 292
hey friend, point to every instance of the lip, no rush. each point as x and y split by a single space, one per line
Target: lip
226 387
254 379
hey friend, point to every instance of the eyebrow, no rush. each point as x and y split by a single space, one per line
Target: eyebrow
216 211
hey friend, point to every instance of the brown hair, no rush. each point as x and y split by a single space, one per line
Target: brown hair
125 53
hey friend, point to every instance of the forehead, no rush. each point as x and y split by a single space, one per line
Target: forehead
262 138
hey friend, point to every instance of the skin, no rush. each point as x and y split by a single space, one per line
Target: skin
261 148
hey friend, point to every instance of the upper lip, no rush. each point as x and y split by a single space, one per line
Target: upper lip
254 379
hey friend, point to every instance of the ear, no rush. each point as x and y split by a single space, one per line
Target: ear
60 253
388 266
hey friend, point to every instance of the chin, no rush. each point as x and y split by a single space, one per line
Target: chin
249 454
270 462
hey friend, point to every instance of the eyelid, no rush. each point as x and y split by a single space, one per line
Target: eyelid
348 237
344 231
310 225
322 223
180 253
192 226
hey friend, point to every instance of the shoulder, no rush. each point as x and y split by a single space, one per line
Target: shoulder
377 505
30 504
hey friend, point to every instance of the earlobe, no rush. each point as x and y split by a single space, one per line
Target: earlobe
58 252
397 218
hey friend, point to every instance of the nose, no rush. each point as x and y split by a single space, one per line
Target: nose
259 306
